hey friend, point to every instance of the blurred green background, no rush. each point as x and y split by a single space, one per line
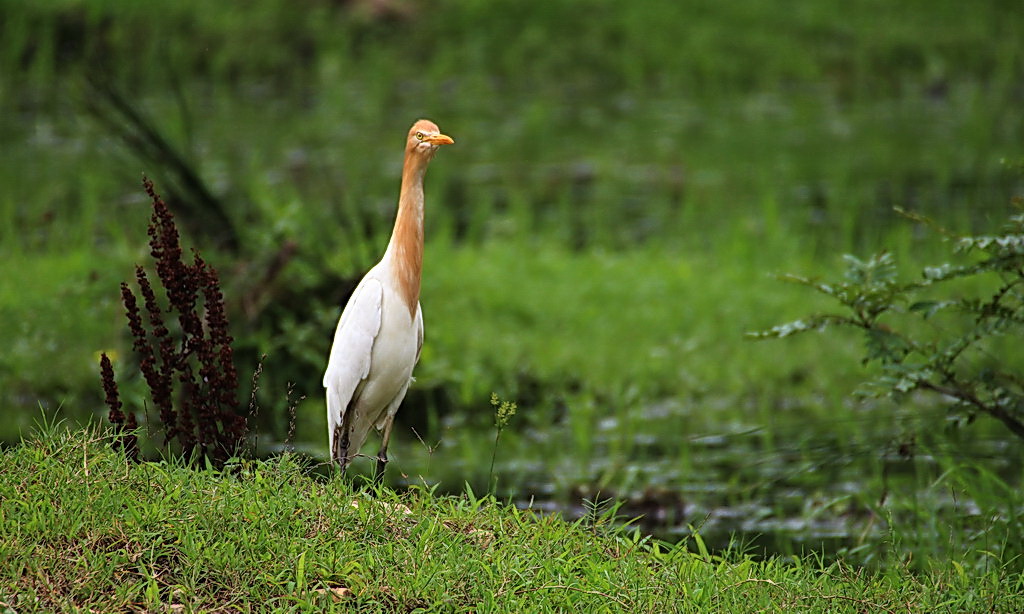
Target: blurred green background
627 179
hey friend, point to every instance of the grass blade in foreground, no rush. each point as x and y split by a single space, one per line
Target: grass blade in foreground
81 528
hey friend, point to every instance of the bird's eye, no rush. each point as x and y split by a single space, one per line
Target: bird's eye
419 136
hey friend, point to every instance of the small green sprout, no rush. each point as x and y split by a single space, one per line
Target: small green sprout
503 412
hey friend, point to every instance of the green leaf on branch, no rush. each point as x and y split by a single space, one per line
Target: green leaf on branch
914 356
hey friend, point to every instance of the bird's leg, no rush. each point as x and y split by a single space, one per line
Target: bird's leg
341 440
382 455
340 452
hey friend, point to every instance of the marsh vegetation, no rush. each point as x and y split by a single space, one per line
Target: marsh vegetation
623 192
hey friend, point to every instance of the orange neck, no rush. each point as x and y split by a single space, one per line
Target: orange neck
406 246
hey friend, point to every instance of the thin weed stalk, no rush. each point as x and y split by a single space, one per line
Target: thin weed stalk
503 412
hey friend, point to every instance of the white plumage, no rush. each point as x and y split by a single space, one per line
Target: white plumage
380 332
376 346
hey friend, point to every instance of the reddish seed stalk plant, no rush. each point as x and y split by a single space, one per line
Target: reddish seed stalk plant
190 371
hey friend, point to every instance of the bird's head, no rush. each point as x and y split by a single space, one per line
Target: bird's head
425 137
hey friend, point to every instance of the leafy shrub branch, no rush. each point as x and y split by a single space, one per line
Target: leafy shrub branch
946 332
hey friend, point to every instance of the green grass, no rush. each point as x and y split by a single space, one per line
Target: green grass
623 189
636 126
47 299
81 529
665 403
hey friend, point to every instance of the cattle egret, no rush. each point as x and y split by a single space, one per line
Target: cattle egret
380 332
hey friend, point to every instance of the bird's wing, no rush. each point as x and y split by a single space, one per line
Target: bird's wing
419 332
349 364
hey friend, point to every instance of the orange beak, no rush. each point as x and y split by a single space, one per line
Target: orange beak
439 139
